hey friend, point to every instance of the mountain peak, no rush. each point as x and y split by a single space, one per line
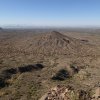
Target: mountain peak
54 42
55 34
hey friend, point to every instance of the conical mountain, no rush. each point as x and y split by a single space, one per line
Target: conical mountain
52 43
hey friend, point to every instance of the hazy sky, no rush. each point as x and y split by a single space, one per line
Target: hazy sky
50 12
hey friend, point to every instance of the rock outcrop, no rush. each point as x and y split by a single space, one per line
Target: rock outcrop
66 93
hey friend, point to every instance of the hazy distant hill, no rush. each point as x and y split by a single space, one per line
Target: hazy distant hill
1 28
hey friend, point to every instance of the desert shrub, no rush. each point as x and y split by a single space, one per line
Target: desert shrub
61 75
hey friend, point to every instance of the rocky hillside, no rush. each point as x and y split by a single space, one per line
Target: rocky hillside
51 43
57 43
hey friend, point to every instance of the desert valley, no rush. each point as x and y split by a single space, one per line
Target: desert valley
53 64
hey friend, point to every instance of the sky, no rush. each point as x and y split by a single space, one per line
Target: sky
60 13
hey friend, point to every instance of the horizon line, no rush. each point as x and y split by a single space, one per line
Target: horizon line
49 26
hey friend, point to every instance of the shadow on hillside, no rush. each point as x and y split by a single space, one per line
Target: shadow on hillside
6 74
64 74
61 75
29 68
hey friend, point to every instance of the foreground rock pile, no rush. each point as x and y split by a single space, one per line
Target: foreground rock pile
69 93
96 95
